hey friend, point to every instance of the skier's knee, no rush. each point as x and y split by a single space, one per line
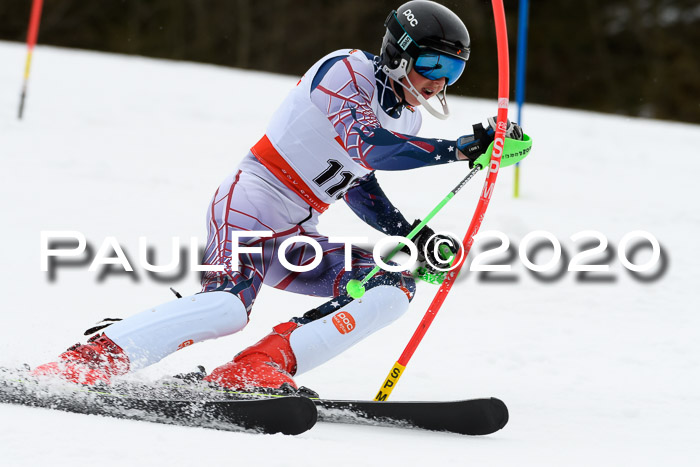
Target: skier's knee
399 280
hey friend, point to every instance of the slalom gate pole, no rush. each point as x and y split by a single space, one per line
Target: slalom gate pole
32 34
523 9
499 140
356 289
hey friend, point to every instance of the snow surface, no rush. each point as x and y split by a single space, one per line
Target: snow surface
593 373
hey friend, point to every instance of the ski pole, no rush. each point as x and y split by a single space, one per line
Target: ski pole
499 140
356 288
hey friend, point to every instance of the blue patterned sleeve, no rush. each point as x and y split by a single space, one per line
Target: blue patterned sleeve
395 151
368 201
343 91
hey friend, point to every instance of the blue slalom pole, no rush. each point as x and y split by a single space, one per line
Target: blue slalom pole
523 13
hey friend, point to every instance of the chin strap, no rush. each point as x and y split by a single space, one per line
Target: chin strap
401 71
401 101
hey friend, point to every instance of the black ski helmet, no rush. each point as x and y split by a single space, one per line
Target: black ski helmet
419 26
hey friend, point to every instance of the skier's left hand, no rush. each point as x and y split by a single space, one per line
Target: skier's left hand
513 130
472 146
434 250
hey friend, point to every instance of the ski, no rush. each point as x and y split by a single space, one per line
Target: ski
188 402
466 417
289 415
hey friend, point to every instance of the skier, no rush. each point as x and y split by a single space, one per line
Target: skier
351 114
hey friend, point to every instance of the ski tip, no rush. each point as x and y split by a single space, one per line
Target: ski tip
296 415
478 417
500 414
307 416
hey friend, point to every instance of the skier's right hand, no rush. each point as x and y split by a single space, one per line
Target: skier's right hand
434 250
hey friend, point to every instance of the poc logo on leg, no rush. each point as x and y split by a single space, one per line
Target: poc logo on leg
344 322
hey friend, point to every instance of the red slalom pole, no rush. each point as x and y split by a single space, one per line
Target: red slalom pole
32 34
499 140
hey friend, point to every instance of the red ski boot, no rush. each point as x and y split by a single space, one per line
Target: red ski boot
96 361
269 364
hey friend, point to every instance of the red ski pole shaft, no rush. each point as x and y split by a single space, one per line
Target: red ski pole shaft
32 34
499 140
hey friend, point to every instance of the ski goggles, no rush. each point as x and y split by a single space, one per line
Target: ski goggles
436 66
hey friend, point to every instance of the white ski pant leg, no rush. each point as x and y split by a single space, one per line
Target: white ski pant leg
320 340
151 335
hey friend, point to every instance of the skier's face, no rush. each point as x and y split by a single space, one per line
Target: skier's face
427 88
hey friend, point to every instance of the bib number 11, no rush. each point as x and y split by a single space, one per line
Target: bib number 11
336 190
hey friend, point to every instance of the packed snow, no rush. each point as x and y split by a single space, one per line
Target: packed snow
594 372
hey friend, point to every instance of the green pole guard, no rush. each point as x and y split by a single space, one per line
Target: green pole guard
513 152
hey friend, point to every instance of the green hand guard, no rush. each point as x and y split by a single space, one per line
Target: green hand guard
429 276
513 152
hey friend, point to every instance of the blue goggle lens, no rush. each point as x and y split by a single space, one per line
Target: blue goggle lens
436 66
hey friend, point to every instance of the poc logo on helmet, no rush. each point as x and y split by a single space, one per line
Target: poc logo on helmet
410 17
